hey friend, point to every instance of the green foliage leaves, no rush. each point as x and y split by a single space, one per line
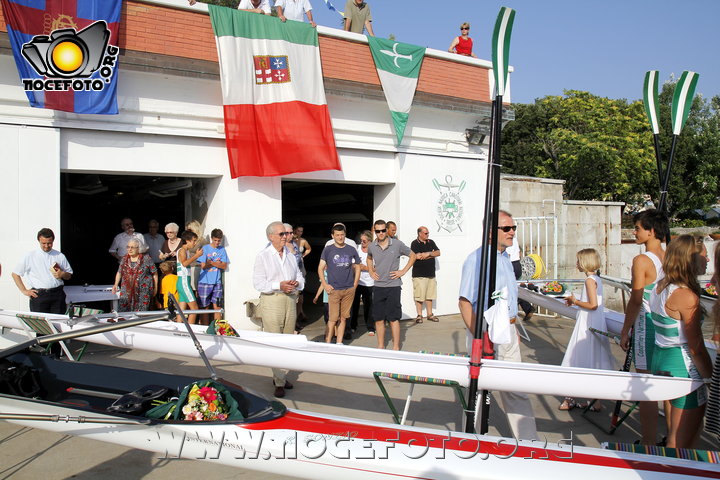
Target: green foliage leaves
599 146
603 148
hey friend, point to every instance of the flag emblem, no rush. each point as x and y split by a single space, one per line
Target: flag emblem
271 69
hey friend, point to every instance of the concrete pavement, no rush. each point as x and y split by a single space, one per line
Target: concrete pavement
30 453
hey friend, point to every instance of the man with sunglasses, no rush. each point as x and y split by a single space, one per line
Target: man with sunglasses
383 261
279 280
517 406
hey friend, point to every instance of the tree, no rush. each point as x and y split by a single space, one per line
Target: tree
599 146
696 167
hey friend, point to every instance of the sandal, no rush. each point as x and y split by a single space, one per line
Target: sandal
433 318
419 319
567 404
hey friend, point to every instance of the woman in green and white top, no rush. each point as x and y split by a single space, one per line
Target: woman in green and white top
679 344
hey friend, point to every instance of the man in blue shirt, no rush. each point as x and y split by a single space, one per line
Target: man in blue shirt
517 406
342 263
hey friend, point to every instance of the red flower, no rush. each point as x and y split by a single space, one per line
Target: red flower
208 394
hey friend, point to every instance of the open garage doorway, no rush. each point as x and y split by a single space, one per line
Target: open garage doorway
316 206
92 206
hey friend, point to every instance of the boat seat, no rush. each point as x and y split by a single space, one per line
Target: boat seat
41 326
414 380
140 400
684 453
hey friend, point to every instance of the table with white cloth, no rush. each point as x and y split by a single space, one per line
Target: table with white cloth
90 293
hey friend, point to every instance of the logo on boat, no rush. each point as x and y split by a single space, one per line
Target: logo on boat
271 69
449 209
68 58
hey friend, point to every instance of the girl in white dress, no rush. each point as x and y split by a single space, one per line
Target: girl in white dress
587 349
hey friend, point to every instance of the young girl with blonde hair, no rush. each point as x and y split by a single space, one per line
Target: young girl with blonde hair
587 349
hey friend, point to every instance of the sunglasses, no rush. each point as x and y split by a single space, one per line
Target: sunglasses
381 231
508 228
282 234
464 29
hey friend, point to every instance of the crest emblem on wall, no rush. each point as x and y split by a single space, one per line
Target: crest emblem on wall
449 210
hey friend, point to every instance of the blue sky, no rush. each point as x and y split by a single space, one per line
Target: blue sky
602 46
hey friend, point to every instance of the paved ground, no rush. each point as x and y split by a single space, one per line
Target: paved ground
30 454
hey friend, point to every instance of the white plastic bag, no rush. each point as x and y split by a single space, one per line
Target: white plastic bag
498 318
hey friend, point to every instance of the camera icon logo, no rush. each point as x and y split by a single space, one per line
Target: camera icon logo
67 53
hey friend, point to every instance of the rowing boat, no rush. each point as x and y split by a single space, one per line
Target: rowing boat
110 404
297 352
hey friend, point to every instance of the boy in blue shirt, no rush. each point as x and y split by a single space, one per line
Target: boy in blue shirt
213 262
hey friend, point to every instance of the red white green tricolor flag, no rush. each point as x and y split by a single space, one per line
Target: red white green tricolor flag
276 116
398 66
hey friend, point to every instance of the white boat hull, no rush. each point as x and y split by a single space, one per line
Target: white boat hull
313 446
297 353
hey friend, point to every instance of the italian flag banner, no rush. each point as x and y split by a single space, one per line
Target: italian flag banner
276 116
398 66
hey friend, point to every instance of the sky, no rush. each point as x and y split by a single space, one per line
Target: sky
601 46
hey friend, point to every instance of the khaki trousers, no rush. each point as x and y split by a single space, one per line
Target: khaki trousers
278 312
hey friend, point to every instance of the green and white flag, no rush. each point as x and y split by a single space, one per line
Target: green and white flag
398 66
501 48
682 99
650 97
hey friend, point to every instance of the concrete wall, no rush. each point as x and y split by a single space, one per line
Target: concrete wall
580 224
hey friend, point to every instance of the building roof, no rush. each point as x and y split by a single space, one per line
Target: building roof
169 36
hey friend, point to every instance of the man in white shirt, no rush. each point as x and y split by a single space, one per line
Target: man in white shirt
118 249
44 269
255 6
154 240
293 10
279 280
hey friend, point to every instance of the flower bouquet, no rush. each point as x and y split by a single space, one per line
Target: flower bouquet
201 401
710 290
204 404
553 288
221 327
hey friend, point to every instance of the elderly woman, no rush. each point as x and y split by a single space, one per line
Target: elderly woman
169 248
137 278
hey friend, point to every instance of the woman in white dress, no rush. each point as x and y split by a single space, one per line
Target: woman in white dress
587 349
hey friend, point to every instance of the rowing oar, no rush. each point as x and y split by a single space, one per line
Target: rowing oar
611 336
174 307
682 103
69 418
652 109
82 332
625 368
488 260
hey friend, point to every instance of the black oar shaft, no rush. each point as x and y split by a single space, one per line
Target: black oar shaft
487 267
175 305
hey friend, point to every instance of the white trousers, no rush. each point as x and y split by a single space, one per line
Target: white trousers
517 406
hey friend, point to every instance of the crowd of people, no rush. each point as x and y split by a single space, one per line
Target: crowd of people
662 324
357 18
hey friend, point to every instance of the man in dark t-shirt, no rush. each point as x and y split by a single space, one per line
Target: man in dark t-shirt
342 263
423 273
